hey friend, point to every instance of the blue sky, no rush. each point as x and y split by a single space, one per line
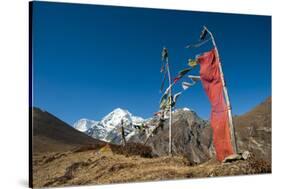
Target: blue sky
89 60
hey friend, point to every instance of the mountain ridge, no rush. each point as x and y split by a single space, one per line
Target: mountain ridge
52 134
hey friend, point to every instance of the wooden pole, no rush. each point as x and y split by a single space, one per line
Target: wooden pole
170 120
232 129
123 133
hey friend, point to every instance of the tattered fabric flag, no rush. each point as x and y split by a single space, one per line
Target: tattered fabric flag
163 67
164 97
176 97
164 54
170 102
163 101
203 34
167 101
181 74
192 62
194 78
212 83
167 90
164 59
186 85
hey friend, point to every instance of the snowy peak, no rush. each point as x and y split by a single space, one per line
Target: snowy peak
186 109
84 124
114 118
108 128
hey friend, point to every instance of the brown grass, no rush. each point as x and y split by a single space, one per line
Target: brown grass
104 166
133 149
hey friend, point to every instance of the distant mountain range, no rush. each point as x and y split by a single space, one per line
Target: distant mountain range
108 129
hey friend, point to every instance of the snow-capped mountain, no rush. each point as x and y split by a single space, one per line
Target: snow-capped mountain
84 124
91 128
114 118
108 129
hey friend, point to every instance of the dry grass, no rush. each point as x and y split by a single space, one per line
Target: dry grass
104 166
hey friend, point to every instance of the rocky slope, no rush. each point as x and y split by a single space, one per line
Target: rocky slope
192 137
254 130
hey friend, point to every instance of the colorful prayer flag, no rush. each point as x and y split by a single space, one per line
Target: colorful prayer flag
176 97
192 62
181 74
194 78
186 85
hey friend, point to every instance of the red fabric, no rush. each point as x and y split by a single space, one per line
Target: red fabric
211 80
176 79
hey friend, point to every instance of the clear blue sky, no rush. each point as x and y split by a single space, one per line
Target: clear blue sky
88 60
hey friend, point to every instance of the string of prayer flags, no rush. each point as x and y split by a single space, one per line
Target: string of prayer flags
196 45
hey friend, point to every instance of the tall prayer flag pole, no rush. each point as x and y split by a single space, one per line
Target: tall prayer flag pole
170 120
165 57
232 129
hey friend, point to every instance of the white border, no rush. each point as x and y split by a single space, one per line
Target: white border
14 91
260 7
